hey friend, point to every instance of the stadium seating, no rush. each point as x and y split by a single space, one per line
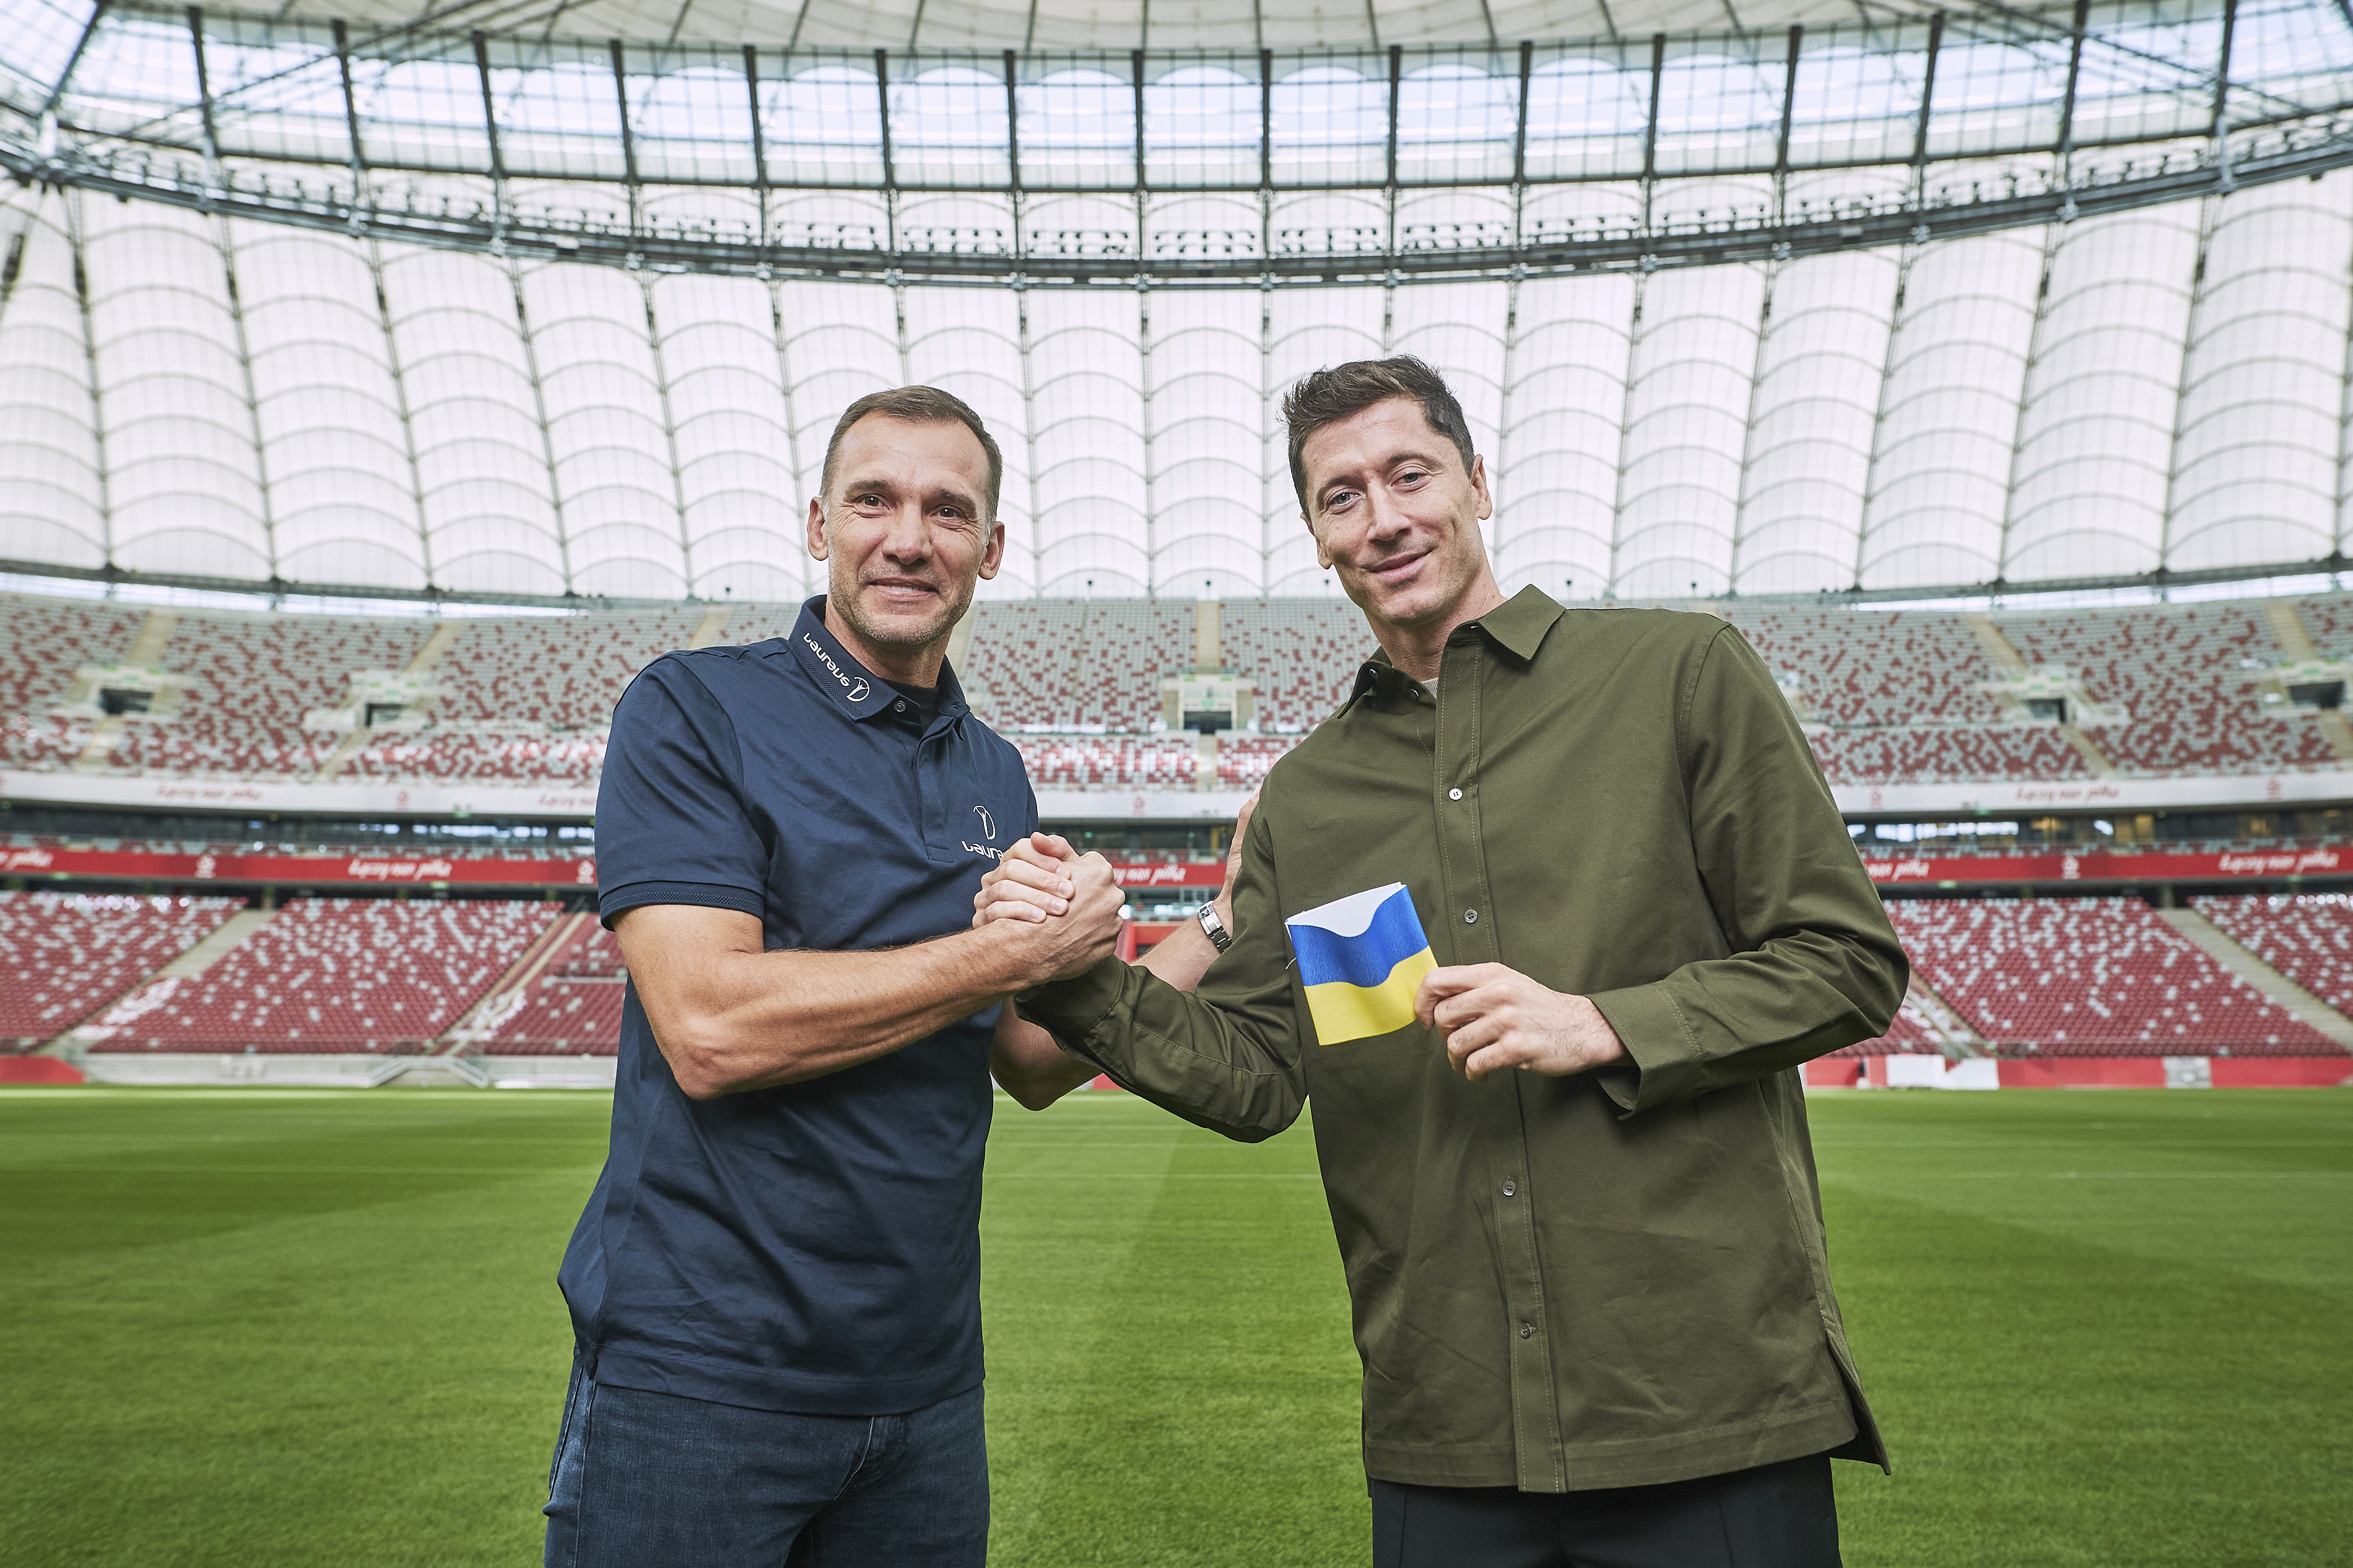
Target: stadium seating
2089 977
1891 696
573 1007
1075 664
2308 937
1244 761
1302 656
2184 673
42 643
1875 667
1918 755
1109 761
335 976
559 673
64 956
1909 1035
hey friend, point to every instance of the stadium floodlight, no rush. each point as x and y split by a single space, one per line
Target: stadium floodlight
1219 164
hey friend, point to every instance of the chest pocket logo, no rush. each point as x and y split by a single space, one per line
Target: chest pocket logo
988 832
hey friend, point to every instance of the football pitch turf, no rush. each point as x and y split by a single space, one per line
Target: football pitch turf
321 1329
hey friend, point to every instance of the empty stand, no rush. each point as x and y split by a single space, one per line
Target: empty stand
572 1007
1109 761
1876 668
1244 761
2089 977
1891 696
1302 655
2308 937
1910 1034
255 679
559 673
65 955
335 974
2185 674
1935 753
42 643
1076 664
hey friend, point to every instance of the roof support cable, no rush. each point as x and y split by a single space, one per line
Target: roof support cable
889 160
363 202
1520 161
2220 133
498 158
48 117
628 141
205 102
2065 149
1013 151
1397 79
759 146
1650 128
1920 130
1781 145
1135 70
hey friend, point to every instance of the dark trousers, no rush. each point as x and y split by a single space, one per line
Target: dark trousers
1775 1516
654 1481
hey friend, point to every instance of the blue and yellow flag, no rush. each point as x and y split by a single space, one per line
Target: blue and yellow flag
1362 958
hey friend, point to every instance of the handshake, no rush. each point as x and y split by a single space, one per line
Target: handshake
1062 910
1068 903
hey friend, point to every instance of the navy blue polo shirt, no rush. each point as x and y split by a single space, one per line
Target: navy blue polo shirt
812 1247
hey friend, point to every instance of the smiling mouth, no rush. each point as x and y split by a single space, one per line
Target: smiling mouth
900 586
1393 570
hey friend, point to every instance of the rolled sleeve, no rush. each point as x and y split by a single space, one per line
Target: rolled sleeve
672 823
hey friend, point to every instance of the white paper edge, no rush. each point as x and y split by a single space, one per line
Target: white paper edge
1351 916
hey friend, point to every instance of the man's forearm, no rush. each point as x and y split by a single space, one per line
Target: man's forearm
754 1020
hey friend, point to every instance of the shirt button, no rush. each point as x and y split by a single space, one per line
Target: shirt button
1510 1186
900 706
1470 917
1527 1330
1454 795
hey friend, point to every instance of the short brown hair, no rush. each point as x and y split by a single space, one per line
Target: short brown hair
1326 397
918 405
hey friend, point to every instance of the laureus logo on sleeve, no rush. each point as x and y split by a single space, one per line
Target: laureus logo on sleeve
987 831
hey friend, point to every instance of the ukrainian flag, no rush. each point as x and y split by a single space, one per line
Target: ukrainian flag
1362 958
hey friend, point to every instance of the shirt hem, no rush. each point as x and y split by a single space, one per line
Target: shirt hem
1645 1462
800 1395
703 895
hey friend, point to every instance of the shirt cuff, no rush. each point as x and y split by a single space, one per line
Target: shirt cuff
1652 1029
619 901
1071 1008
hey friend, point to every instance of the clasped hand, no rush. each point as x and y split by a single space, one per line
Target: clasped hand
1493 1016
1071 899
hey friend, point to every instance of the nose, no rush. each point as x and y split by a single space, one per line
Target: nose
1384 518
908 539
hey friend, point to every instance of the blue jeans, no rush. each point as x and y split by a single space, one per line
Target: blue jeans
654 1480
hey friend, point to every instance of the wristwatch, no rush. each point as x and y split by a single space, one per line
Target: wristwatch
1214 929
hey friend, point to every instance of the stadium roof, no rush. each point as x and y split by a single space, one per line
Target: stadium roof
191 396
1109 25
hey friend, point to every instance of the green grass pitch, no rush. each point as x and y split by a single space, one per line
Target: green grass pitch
321 1329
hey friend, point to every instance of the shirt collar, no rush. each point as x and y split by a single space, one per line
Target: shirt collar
860 692
1517 626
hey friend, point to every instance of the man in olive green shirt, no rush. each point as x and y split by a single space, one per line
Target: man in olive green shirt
1591 1294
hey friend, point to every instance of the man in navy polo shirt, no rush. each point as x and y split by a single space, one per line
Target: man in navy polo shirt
775 1287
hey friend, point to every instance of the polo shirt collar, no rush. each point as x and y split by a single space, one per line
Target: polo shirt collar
1517 626
858 691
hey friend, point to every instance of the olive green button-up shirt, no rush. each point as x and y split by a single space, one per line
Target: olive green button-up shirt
1617 1278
